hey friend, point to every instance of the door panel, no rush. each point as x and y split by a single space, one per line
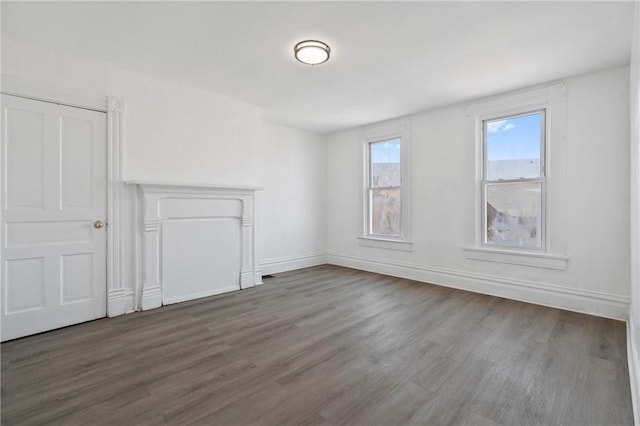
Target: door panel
54 188
25 285
76 174
24 145
75 270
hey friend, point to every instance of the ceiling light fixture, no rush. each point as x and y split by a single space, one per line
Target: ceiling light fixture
312 52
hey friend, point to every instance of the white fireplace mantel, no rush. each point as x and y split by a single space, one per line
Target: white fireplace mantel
196 240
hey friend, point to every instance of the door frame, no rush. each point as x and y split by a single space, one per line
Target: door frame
117 297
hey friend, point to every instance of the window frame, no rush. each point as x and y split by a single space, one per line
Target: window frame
551 98
370 188
381 132
485 182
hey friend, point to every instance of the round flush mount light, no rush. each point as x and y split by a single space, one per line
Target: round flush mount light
312 52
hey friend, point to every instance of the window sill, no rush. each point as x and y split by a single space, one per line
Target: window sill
537 260
386 244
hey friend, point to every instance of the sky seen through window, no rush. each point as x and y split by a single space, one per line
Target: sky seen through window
386 151
514 138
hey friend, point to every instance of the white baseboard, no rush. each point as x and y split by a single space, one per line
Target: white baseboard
184 298
289 263
120 301
556 296
130 298
151 297
632 361
116 302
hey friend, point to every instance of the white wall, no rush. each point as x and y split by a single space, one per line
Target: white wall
292 223
443 164
178 133
633 330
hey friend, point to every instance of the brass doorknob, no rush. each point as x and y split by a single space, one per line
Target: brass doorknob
98 224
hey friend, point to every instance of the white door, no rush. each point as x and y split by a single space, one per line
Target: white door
53 206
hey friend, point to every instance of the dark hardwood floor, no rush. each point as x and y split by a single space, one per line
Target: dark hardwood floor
326 346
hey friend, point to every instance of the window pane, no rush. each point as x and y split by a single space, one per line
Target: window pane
385 163
514 214
513 147
385 212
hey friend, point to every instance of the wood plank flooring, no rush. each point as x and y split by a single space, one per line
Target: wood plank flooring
325 346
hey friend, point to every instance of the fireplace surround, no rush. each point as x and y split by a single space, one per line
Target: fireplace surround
195 240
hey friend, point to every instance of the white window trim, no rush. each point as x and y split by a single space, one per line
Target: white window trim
551 98
378 132
400 245
539 260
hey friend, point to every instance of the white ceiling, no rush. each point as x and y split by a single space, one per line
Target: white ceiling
388 58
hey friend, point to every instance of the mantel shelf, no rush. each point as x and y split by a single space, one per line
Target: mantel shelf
194 185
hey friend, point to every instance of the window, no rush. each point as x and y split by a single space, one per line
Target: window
517 207
513 181
386 188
